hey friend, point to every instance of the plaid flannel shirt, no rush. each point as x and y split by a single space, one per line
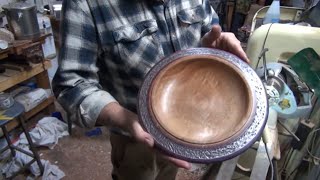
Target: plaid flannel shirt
107 47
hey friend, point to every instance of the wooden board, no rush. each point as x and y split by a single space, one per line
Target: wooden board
12 66
7 81
4 52
7 74
18 46
3 55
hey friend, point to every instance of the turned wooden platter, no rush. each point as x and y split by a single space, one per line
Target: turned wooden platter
203 105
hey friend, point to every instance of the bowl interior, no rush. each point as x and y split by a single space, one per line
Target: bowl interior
200 100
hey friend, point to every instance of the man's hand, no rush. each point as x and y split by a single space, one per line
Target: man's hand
225 41
115 115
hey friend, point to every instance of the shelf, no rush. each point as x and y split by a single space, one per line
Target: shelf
12 77
14 123
5 52
16 73
25 48
39 108
18 46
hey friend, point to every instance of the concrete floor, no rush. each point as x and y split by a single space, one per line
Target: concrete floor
81 157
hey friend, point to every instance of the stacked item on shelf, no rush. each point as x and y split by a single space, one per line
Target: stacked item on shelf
30 96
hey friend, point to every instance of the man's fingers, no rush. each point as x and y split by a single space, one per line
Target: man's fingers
215 32
210 37
243 56
237 50
224 41
178 162
230 43
140 135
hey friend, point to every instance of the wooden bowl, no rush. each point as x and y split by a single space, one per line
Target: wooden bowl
201 100
200 104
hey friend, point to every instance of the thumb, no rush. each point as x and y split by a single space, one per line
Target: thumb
140 135
210 37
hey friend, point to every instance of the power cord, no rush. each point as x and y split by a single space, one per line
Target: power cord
292 172
271 164
313 133
286 160
263 45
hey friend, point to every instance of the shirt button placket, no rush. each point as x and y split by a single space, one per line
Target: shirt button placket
171 27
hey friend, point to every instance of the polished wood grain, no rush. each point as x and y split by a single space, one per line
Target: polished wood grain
201 99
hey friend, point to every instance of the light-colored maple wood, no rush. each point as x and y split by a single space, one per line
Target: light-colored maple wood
43 80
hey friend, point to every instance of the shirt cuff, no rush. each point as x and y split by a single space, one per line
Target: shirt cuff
92 105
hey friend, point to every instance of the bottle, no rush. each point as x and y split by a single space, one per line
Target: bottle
273 13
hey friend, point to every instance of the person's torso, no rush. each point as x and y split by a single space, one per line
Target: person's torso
136 34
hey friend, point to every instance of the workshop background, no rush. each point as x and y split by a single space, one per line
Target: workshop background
41 145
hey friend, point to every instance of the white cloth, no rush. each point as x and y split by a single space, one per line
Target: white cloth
47 132
31 99
51 172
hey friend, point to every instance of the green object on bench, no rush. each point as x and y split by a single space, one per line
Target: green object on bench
306 63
